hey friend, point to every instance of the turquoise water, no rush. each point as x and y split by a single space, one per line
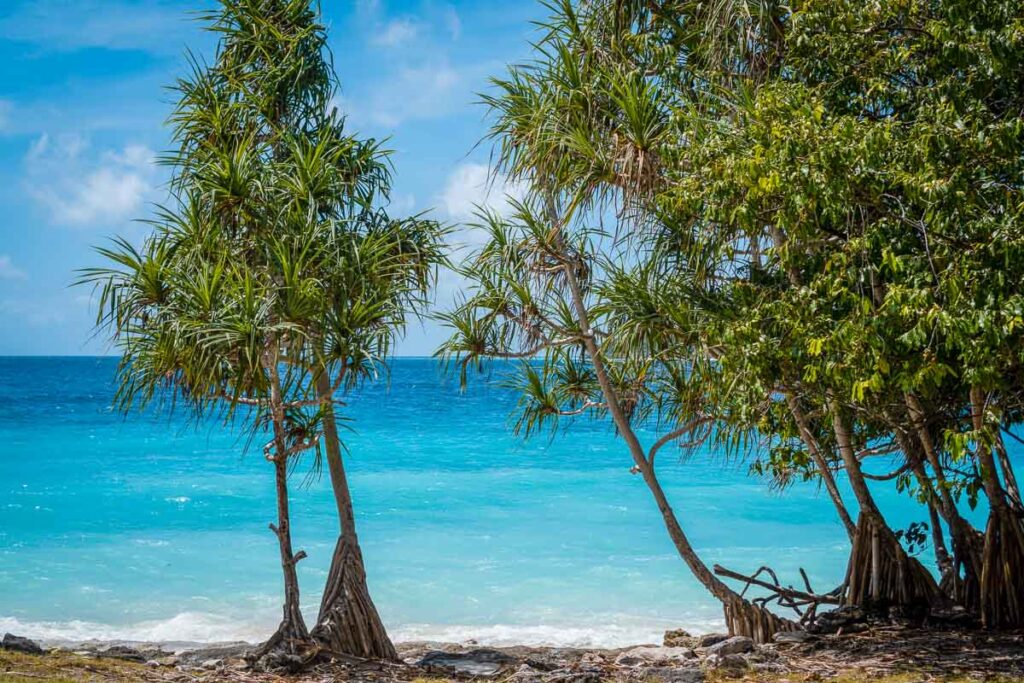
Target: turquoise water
155 529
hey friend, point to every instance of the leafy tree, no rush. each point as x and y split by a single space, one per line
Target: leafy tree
273 280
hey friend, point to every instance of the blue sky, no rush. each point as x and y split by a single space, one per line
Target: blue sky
82 110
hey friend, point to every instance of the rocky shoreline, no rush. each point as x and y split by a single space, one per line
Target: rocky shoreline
681 658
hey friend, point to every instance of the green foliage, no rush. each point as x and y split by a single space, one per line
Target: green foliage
274 253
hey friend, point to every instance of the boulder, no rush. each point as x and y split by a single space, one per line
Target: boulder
731 646
709 639
482 662
18 644
654 656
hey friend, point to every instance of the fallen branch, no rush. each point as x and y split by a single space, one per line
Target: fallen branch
804 603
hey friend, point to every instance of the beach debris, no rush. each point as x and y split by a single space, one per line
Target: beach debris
19 644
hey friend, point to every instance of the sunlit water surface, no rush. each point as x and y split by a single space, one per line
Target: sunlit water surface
153 529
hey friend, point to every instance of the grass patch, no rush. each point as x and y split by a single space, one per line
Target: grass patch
64 667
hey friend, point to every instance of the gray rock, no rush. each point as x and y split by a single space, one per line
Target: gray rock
122 652
674 674
18 644
731 646
482 662
654 655
729 664
793 637
525 674
709 639
211 663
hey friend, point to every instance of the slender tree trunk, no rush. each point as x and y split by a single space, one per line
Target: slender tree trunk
943 560
292 637
968 542
348 622
826 473
1009 478
742 617
880 574
1002 587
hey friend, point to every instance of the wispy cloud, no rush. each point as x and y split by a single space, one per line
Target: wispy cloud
472 186
453 23
60 26
82 189
396 32
412 93
8 271
5 115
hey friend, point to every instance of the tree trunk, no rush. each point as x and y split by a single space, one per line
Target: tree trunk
741 616
968 542
291 638
826 474
348 622
1002 588
880 573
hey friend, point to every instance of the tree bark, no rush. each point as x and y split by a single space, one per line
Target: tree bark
968 542
742 617
880 573
348 622
1002 590
291 637
826 474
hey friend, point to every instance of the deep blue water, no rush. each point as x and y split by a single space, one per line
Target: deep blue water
153 528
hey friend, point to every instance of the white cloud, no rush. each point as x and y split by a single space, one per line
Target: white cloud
474 185
453 23
8 271
421 92
396 32
80 189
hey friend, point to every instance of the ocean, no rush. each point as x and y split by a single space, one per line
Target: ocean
149 527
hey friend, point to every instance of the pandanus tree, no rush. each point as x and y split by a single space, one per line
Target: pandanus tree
274 279
586 127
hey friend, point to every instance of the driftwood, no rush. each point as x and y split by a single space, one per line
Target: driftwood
804 602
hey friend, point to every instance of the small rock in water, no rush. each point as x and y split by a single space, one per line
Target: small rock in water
709 639
18 644
731 646
654 655
483 662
